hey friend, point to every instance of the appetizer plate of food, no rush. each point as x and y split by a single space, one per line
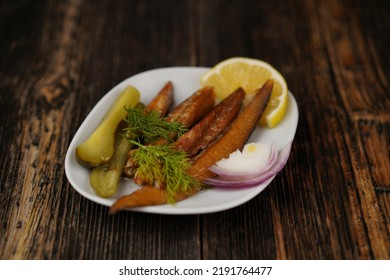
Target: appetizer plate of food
185 80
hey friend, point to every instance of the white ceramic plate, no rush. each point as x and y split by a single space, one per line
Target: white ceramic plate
185 81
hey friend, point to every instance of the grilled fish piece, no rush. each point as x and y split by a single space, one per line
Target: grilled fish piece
209 127
162 102
191 110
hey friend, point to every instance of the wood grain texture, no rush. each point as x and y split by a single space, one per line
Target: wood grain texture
331 201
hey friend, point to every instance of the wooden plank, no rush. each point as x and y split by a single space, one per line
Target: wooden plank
58 58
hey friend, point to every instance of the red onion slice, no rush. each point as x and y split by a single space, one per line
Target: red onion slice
224 181
237 175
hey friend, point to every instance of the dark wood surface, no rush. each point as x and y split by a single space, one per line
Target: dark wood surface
331 201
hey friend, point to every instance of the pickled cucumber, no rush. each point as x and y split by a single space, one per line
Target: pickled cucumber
105 178
99 147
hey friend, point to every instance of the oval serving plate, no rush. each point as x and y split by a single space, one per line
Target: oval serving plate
185 81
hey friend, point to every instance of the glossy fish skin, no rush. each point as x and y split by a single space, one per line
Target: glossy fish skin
191 110
163 100
213 124
146 196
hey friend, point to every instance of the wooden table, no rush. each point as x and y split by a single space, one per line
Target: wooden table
331 201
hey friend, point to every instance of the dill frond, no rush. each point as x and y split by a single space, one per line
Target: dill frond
167 165
149 126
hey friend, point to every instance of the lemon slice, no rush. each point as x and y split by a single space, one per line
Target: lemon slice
250 74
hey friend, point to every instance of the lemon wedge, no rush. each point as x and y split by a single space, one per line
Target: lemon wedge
250 74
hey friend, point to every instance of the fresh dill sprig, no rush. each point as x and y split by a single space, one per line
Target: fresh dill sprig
164 164
149 126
